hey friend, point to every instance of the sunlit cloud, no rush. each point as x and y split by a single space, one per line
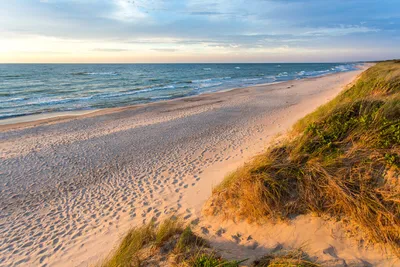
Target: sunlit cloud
127 10
340 31
199 30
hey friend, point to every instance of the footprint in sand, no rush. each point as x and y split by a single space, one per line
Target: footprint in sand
237 238
220 232
195 221
330 251
253 245
205 231
277 248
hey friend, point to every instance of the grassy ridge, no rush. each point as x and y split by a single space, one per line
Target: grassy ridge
342 160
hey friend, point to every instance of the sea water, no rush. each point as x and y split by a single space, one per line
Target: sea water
27 89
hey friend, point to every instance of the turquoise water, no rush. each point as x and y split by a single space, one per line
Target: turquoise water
27 89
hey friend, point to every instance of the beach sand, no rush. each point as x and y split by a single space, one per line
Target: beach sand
71 186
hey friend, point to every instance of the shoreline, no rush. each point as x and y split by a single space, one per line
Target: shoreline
44 116
78 185
54 117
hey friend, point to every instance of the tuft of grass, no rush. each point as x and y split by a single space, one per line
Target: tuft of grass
341 160
293 258
166 230
126 253
167 244
206 261
210 260
188 239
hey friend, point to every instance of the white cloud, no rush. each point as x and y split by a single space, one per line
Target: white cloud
339 31
134 10
127 10
189 27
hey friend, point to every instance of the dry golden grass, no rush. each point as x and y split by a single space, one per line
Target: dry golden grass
291 258
342 160
168 244
128 252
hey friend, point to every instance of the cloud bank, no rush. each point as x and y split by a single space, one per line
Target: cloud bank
198 30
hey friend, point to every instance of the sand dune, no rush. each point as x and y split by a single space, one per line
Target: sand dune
71 186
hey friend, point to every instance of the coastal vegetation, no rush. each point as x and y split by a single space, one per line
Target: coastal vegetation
341 161
169 243
172 244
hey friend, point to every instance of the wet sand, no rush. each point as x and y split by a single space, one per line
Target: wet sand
71 186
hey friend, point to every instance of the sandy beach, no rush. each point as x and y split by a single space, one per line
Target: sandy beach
71 186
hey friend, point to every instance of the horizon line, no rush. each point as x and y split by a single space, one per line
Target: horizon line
155 63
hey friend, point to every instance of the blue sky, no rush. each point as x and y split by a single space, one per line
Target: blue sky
199 30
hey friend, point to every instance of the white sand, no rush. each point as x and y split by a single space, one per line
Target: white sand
71 187
325 241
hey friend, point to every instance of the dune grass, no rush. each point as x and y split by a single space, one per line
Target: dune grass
127 253
341 160
168 244
291 258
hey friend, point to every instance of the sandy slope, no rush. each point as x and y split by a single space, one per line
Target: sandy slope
71 186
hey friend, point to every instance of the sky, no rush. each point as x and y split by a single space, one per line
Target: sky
158 31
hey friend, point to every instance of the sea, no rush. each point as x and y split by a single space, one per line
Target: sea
28 89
